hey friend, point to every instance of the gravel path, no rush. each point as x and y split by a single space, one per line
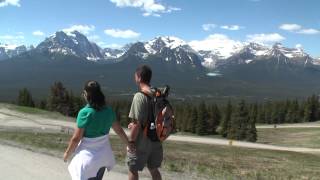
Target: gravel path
25 165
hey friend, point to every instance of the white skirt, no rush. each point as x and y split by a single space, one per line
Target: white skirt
90 155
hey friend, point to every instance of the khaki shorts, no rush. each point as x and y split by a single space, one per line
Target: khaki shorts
148 153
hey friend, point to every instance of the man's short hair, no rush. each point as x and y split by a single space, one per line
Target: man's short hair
145 73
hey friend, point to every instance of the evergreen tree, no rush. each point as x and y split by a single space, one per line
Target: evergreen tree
214 119
226 121
194 119
25 98
311 111
293 113
239 122
296 117
186 116
202 121
261 114
42 104
268 112
275 113
283 108
59 99
251 134
72 111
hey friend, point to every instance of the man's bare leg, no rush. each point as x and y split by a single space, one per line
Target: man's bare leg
155 173
133 175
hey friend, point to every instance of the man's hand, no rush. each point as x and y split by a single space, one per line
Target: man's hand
131 148
130 125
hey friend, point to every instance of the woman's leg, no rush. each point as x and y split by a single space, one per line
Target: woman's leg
99 174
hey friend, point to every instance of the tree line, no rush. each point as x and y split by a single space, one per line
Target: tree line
235 120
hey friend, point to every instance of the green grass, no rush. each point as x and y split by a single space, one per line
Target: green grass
294 137
28 110
206 161
35 111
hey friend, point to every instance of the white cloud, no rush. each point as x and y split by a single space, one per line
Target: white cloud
94 38
4 3
105 45
114 46
231 27
149 7
309 31
265 38
12 40
117 33
10 37
219 42
171 9
85 29
208 27
299 46
296 28
38 33
290 27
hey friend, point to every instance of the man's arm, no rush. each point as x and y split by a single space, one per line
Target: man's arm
134 130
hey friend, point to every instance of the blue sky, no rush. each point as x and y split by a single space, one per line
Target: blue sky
116 22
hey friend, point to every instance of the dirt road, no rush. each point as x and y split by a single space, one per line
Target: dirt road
25 165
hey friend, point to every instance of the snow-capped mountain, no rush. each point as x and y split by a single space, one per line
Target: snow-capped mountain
157 44
252 52
238 53
3 54
8 51
255 49
279 50
210 59
289 55
110 53
73 43
316 61
169 48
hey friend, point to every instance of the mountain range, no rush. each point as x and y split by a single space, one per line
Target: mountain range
171 49
247 69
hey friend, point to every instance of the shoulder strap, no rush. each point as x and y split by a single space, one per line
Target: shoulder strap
150 109
146 94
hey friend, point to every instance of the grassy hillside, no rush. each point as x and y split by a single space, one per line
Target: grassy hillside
297 137
36 111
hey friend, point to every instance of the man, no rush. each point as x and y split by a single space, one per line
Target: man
149 151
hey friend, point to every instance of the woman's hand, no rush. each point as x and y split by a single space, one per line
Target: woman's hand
65 156
73 143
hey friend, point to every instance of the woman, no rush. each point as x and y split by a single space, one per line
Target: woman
90 140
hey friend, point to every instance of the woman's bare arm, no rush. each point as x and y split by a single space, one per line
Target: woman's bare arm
73 143
120 132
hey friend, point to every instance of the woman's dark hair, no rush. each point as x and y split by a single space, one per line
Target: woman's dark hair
145 73
95 97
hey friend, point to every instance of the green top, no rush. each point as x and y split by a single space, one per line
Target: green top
95 123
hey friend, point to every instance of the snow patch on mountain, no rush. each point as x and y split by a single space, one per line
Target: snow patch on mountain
278 49
72 43
155 45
